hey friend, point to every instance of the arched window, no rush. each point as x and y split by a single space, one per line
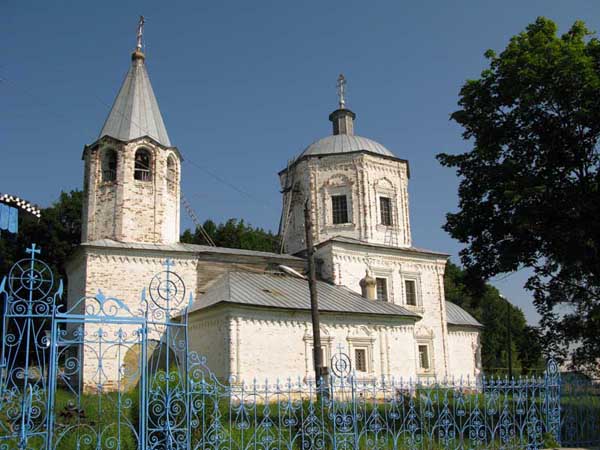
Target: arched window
171 174
143 165
109 165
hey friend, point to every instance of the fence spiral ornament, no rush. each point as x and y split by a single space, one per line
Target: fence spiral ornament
30 278
167 290
552 368
150 392
341 365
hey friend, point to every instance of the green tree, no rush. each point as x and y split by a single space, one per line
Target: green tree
57 232
484 302
234 233
529 190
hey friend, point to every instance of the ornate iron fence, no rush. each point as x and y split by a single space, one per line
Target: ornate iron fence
350 413
101 374
580 410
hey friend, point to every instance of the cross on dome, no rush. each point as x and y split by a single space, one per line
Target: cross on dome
341 90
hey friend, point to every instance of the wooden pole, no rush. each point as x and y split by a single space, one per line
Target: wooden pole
509 331
314 304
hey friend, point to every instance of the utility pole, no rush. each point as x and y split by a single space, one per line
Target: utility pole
508 338
320 371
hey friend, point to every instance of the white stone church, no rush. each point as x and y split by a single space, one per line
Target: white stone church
380 298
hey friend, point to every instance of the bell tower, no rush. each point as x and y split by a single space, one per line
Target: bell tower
132 172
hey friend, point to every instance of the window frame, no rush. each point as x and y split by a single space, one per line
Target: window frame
326 345
146 173
385 288
104 163
384 187
337 184
386 214
365 353
407 282
171 177
427 347
345 210
416 278
366 343
387 273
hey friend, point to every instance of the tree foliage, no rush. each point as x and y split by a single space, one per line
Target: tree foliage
498 316
529 189
57 232
234 233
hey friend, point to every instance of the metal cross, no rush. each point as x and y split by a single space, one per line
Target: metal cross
341 89
33 250
140 32
169 263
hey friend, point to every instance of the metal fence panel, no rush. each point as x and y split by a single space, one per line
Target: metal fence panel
101 374
580 411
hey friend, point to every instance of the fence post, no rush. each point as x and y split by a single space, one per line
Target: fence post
53 369
552 399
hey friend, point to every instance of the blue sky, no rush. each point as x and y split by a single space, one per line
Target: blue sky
244 86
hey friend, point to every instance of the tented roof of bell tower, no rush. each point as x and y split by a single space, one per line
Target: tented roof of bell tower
135 112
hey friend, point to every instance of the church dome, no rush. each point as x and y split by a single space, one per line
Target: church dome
345 143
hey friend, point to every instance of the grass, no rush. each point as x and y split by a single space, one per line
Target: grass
100 414
224 423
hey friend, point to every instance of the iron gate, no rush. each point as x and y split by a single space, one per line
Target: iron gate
98 374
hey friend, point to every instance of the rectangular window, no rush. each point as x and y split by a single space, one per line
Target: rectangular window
385 207
339 206
382 291
360 359
410 286
424 357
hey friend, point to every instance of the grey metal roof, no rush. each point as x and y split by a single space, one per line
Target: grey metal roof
190 248
287 292
345 143
349 240
135 112
455 315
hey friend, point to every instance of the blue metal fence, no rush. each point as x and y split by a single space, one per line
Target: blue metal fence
580 411
103 374
349 413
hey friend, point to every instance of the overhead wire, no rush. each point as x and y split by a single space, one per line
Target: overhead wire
186 160
190 162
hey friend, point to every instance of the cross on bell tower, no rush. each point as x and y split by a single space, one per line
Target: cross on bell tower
140 33
132 172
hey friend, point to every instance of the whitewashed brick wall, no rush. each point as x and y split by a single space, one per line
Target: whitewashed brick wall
465 353
277 344
127 209
345 264
363 178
